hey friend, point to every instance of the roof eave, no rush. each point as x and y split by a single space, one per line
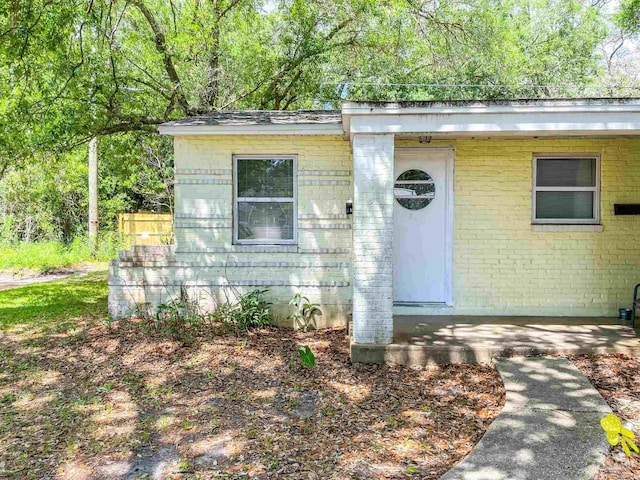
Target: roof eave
542 118
254 129
542 106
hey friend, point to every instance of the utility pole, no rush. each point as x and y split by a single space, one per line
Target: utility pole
93 193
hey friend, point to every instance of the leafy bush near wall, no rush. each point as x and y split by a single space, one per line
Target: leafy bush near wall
49 255
305 312
251 310
183 318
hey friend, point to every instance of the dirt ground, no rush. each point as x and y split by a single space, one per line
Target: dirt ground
617 378
112 402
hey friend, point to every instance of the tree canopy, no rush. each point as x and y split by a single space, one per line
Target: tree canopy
73 69
629 15
76 68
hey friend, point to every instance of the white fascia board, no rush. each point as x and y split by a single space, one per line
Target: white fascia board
355 108
269 129
537 123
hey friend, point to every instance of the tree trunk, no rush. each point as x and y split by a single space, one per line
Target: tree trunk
93 193
212 87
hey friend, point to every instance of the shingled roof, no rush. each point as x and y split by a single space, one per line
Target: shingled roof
261 117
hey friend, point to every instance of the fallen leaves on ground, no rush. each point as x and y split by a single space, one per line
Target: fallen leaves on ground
617 378
111 402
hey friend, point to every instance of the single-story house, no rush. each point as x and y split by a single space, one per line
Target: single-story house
519 208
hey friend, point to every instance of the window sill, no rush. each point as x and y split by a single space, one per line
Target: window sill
264 248
552 227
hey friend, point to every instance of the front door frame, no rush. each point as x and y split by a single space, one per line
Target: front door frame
449 221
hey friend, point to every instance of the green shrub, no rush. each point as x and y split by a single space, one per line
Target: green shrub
180 319
249 311
183 318
305 314
8 232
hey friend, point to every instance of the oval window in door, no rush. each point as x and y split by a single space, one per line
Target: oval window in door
414 189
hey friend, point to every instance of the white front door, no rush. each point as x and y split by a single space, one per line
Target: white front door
422 226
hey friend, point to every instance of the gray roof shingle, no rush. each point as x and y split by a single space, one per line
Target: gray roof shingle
262 117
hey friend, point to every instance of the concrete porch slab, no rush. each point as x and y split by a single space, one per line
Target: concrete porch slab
419 340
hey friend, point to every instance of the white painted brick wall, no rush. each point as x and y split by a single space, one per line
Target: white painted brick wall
203 228
373 238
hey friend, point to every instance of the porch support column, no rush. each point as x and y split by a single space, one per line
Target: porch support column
373 238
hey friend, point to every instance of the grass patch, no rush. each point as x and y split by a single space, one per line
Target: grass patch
46 256
55 304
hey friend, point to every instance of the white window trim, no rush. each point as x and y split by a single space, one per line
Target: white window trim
596 191
237 199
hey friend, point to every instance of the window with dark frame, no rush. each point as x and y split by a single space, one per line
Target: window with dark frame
265 199
566 189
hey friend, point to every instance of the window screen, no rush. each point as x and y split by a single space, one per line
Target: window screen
265 200
566 189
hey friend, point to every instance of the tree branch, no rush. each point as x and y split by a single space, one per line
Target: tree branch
222 13
161 47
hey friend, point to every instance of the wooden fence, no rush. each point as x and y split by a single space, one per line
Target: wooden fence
146 228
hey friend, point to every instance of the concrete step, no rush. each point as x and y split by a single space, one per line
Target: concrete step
402 354
425 339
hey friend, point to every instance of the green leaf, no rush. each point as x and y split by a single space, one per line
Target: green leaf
307 356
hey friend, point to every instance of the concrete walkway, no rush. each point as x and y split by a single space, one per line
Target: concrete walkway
10 280
549 428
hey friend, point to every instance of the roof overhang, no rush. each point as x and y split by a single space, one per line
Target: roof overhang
258 129
258 122
455 119
597 117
